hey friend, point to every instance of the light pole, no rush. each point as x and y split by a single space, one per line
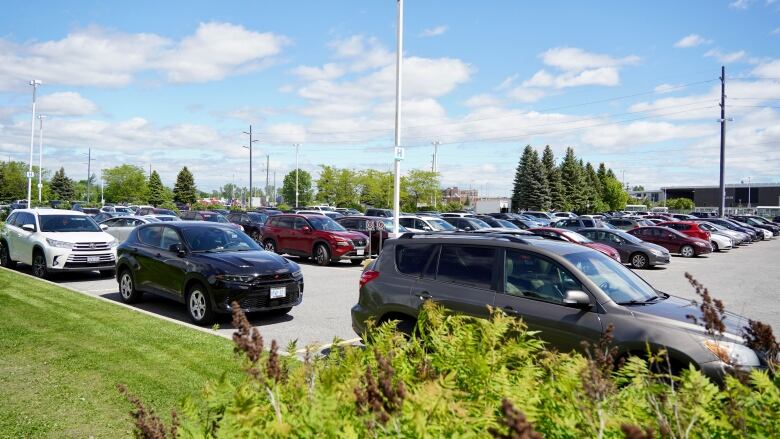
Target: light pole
435 164
296 145
251 190
89 171
40 159
102 183
35 83
399 152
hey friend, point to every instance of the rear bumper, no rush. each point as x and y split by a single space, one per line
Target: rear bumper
359 318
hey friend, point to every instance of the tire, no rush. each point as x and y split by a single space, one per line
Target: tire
270 245
5 256
322 255
199 305
39 268
715 247
687 251
639 260
256 236
127 291
107 273
357 261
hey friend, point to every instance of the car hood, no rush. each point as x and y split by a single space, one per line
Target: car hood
657 247
680 311
249 261
349 235
79 236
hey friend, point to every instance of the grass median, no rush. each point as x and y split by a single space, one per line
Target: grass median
62 355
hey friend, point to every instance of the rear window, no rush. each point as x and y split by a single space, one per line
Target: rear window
411 259
466 265
588 223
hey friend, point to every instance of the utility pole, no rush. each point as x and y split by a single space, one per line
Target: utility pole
435 164
35 83
102 197
89 171
40 159
722 140
399 152
251 141
267 173
274 191
297 145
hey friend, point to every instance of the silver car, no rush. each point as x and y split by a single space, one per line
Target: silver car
121 226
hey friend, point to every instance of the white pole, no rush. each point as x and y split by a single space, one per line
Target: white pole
398 71
297 145
35 83
102 183
40 159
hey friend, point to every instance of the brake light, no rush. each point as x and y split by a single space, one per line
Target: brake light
367 276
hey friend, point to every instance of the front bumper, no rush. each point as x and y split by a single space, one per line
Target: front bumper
718 370
257 297
351 253
660 260
63 259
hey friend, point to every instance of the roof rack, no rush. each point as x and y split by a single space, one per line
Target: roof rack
445 234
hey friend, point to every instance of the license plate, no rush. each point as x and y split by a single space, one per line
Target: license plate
359 252
93 259
278 292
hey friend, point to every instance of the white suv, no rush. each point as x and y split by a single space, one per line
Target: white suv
421 224
53 240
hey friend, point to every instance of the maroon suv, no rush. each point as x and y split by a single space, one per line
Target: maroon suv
314 236
673 240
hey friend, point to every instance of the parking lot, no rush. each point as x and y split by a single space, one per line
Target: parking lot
746 279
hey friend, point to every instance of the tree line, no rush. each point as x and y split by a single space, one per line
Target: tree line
572 185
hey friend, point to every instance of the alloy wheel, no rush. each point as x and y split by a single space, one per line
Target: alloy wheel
126 286
639 260
197 304
687 251
322 255
39 266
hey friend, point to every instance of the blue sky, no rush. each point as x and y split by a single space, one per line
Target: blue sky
175 83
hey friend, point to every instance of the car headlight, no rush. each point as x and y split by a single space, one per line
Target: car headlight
700 244
342 243
59 244
297 274
113 243
236 278
733 353
656 252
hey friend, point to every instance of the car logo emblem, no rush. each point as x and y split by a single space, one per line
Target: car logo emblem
92 246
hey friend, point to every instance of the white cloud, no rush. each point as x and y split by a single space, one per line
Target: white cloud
434 31
642 132
507 82
313 73
577 60
483 100
769 69
775 32
740 4
65 104
725 57
362 53
527 94
691 40
665 88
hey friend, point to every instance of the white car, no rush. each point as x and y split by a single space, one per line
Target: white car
53 240
720 242
420 224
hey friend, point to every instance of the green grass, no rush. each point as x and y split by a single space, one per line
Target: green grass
62 355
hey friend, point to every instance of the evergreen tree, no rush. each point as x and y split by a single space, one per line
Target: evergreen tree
573 183
553 176
595 195
61 186
184 191
531 192
156 190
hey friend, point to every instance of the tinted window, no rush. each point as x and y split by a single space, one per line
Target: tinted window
349 223
285 223
169 238
591 234
12 218
300 223
218 239
325 223
535 277
471 266
407 222
588 223
411 259
151 235
66 223
258 217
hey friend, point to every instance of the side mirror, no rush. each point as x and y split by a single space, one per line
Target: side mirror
178 249
467 228
29 227
306 229
427 229
103 227
576 299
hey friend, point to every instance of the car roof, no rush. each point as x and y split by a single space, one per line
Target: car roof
46 211
190 224
554 246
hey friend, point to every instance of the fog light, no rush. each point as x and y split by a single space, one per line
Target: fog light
55 262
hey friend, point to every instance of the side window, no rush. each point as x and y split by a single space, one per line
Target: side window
187 215
472 266
411 259
300 223
590 234
151 235
285 223
273 222
169 238
348 223
420 224
588 223
408 222
113 222
25 218
244 218
12 218
536 277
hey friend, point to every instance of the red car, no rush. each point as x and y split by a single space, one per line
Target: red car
689 228
673 240
315 236
568 235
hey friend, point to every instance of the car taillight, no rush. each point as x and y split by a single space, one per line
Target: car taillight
367 276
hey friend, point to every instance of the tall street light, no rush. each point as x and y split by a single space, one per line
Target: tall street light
89 170
35 83
296 145
251 189
399 152
40 158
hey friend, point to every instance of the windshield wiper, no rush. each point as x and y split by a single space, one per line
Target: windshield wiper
631 302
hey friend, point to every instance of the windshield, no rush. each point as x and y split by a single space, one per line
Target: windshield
389 226
258 217
628 237
322 222
215 218
217 239
576 237
479 223
68 223
617 281
440 225
506 224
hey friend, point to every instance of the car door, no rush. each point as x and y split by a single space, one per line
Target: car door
301 236
148 272
665 238
171 267
461 278
12 236
283 229
532 288
25 238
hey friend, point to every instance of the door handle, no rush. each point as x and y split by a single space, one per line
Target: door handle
424 295
508 310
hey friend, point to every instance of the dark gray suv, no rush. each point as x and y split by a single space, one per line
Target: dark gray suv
634 251
568 292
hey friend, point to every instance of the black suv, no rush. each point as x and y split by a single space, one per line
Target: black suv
384 213
568 292
252 222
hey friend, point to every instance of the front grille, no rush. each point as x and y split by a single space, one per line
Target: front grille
258 301
271 279
105 257
91 246
358 242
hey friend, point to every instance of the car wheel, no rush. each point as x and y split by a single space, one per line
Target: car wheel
256 236
270 245
715 247
322 254
127 291
199 306
639 260
5 256
687 251
39 268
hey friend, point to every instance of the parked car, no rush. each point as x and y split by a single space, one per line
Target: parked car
142 211
576 238
521 221
627 223
543 217
457 215
314 236
207 215
737 238
386 213
761 223
124 209
206 266
121 226
673 240
360 223
632 250
690 228
54 240
763 234
577 223
347 211
466 224
567 292
165 218
102 216
91 211
252 222
420 224
497 222
754 235
776 219
682 217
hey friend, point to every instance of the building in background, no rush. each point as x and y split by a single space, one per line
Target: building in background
761 194
654 196
453 194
